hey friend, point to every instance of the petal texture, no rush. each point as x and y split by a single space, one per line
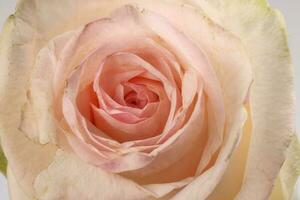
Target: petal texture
162 168
33 157
82 181
273 79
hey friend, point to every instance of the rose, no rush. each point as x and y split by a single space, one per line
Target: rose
187 67
140 100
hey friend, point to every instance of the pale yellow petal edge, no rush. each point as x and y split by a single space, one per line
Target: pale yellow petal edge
289 173
3 38
3 162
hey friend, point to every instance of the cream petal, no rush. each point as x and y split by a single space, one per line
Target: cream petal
15 59
277 193
210 178
227 188
39 122
160 190
271 61
15 191
29 161
83 181
289 173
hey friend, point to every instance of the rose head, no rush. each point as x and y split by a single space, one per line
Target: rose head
145 100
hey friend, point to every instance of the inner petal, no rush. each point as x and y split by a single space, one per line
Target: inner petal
135 100
146 128
138 95
120 102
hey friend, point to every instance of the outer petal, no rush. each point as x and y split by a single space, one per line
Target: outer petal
289 173
15 191
227 188
83 181
39 122
202 186
262 31
27 159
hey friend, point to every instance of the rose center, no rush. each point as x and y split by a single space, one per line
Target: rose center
138 96
135 100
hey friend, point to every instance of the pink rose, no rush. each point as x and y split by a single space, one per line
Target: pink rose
146 100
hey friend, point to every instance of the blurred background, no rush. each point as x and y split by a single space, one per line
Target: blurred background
289 8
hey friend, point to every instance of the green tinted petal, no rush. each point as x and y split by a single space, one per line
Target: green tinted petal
291 169
3 162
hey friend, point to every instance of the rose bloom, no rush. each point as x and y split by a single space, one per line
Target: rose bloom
137 99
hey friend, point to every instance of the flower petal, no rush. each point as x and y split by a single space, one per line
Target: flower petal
15 191
273 79
15 57
289 173
83 181
191 55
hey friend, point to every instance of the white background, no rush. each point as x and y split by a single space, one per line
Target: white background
291 11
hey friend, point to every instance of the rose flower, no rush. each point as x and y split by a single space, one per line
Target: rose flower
137 99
